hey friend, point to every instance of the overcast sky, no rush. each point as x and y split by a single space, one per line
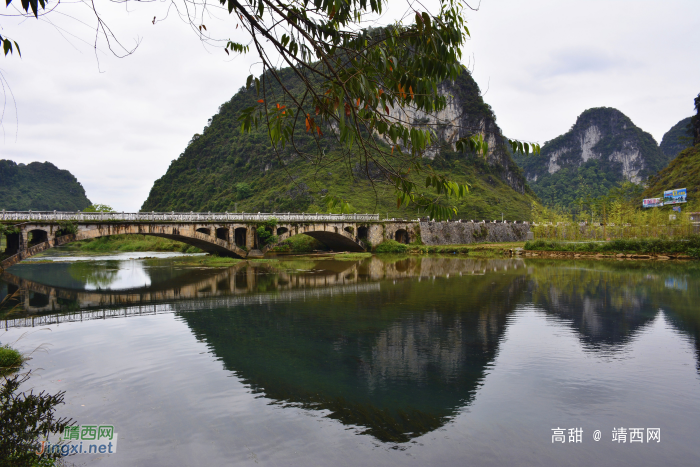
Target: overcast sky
118 124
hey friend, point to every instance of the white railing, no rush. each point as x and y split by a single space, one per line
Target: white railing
282 217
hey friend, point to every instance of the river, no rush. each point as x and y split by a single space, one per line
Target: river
377 361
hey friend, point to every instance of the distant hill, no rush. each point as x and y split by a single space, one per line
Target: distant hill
602 149
678 138
224 170
682 172
39 187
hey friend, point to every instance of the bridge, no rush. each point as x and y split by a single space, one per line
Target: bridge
236 234
226 234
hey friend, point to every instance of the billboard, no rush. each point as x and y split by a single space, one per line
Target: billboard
653 202
675 196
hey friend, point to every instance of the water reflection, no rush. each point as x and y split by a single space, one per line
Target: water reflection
396 347
56 287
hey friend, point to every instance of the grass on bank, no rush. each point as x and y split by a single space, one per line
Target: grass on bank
689 246
127 243
299 244
472 249
10 360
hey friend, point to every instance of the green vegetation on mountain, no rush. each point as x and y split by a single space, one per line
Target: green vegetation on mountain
682 172
602 149
678 138
695 122
39 187
223 169
567 187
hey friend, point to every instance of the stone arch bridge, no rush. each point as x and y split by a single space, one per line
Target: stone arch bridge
226 234
229 234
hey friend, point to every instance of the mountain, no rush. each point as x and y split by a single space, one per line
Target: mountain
39 187
225 170
602 149
677 138
681 172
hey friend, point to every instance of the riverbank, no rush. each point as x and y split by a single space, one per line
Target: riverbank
130 243
688 248
491 250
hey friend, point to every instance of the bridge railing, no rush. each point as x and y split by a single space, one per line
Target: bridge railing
59 216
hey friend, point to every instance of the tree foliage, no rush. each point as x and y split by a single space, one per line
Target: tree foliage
359 84
695 122
39 186
98 208
226 170
24 418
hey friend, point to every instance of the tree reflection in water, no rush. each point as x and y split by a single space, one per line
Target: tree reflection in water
393 346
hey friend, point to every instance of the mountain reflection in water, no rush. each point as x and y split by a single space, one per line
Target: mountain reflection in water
395 347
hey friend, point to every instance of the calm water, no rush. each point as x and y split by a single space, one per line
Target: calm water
418 361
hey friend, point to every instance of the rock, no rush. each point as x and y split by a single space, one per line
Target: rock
620 255
662 258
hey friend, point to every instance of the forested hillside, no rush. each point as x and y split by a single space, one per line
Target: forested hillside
39 187
678 138
682 172
602 149
224 170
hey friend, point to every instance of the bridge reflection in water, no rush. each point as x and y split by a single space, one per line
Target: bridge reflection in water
395 348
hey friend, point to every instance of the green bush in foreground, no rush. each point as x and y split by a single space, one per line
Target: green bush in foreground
25 418
690 246
10 360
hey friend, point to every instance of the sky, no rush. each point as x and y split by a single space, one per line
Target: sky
117 123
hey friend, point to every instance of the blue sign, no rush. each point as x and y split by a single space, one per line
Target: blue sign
677 208
675 196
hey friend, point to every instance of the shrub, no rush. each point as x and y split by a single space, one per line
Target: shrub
391 246
265 232
24 418
10 360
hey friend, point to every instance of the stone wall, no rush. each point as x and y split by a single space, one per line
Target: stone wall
453 233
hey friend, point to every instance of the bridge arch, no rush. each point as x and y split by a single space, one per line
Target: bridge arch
336 236
222 233
240 234
401 236
36 237
362 232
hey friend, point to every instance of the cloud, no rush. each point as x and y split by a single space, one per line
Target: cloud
580 60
